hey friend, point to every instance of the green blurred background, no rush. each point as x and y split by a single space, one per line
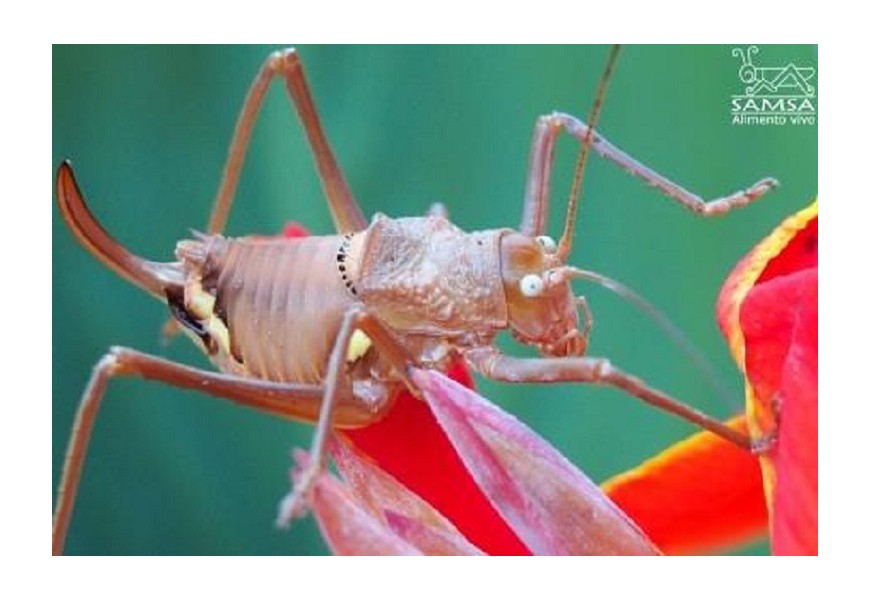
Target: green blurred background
147 129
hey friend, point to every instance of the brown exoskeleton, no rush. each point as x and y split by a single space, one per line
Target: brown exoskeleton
322 329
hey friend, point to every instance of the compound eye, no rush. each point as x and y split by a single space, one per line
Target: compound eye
547 243
531 286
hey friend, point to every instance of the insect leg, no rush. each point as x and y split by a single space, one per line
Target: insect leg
355 319
289 400
286 63
536 206
490 363
537 193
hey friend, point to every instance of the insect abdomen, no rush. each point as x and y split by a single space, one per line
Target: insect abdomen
283 302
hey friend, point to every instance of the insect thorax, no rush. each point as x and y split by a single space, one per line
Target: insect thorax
425 275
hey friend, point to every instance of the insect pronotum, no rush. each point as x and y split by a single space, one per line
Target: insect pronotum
365 279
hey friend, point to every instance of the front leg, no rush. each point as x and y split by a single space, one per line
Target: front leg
537 197
492 364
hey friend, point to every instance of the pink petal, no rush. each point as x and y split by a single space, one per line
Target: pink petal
429 540
396 506
551 505
346 525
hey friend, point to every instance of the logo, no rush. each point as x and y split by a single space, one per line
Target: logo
773 95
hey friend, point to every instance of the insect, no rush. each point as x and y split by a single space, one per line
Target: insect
196 302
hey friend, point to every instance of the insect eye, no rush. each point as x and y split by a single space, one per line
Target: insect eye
547 243
531 286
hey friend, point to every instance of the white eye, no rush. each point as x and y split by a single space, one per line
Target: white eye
547 243
531 286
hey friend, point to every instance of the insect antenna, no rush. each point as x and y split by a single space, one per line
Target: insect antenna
670 329
580 167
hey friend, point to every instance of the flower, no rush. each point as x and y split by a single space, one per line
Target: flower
768 311
704 494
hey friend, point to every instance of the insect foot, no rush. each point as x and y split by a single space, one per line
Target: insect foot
739 199
763 444
295 504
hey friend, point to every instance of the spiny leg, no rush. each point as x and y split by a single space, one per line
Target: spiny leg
490 363
286 63
537 197
288 400
379 336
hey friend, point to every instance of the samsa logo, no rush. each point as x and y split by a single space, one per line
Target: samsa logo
782 95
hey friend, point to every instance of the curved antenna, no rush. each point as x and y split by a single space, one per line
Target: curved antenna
568 233
680 339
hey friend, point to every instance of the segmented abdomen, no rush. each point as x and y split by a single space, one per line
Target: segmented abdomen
283 301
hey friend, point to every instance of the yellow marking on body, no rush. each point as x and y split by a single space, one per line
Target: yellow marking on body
199 303
357 347
219 333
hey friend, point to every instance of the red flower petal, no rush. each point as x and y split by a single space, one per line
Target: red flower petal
700 495
780 325
755 264
294 230
800 253
768 311
553 507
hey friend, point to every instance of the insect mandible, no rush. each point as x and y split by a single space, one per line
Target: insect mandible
405 284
